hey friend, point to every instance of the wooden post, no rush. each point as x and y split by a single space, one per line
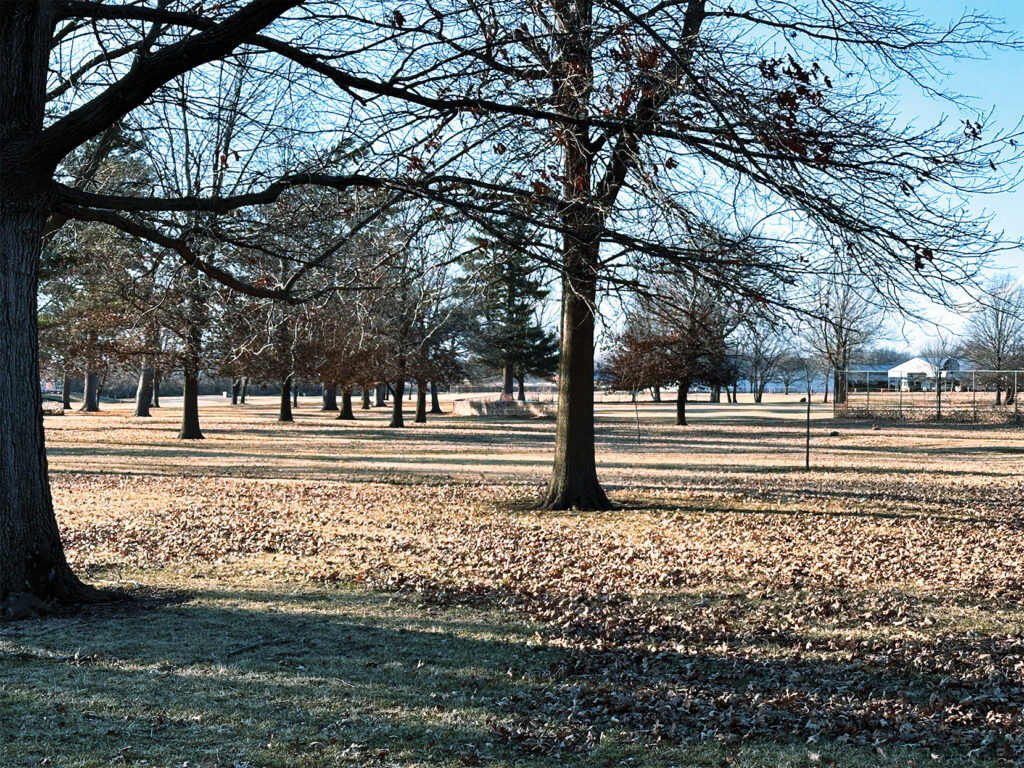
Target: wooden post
807 447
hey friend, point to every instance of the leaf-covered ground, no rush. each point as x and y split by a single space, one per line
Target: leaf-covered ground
735 611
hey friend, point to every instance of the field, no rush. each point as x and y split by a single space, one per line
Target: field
330 593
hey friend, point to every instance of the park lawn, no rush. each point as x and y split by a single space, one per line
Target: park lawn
330 593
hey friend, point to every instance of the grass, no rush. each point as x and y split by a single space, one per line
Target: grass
329 593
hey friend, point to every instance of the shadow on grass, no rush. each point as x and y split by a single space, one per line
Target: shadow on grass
353 677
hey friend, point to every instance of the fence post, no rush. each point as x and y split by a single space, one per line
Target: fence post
974 394
899 384
867 391
1016 406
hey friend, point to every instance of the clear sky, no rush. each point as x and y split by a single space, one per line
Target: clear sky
993 84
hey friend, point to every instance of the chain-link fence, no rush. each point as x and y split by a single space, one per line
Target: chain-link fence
974 396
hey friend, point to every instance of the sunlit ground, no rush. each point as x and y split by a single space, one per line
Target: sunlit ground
332 593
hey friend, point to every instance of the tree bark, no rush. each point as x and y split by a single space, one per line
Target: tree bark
346 405
190 406
91 393
366 398
144 393
382 391
716 394
435 404
66 392
295 394
506 382
397 420
245 389
574 483
157 376
31 553
330 398
236 387
285 413
656 394
681 403
522 388
421 402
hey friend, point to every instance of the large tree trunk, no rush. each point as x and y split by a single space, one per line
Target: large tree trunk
382 391
366 397
236 387
295 394
144 393
435 404
245 389
716 394
157 377
91 392
421 402
66 391
681 403
656 394
574 483
330 398
285 413
522 388
346 405
190 406
397 420
31 554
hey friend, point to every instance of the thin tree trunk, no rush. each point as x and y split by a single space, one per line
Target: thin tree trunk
681 403
236 387
506 382
31 554
366 398
66 392
397 420
421 402
157 376
285 413
435 404
245 389
330 398
91 393
346 405
144 393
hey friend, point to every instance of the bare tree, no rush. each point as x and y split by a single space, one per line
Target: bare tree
995 332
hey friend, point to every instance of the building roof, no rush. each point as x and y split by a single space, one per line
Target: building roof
915 365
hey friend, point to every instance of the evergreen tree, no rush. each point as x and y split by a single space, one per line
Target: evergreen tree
504 291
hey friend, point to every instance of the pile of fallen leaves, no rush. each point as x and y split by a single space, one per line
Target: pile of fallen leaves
800 609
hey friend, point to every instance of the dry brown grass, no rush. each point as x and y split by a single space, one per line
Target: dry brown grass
736 608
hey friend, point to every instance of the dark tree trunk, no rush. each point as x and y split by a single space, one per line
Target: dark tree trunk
421 402
190 406
144 393
236 387
366 398
245 389
66 392
31 554
681 395
656 394
90 392
382 393
716 394
574 483
397 420
157 376
435 404
285 413
999 393
346 405
506 382
825 398
522 389
758 394
295 394
330 398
